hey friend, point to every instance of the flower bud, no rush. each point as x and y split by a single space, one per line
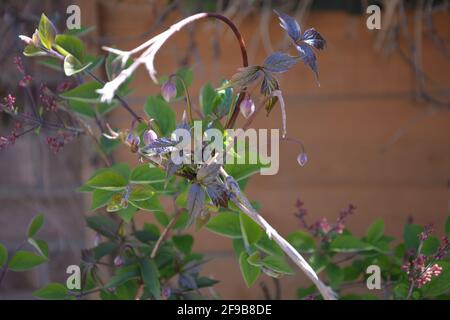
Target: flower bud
302 158
247 107
169 91
149 136
26 39
119 261
133 140
166 292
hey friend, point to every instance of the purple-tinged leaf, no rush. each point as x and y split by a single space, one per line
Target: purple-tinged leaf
243 78
290 25
279 62
309 58
314 39
171 168
208 174
269 84
187 281
218 194
195 201
160 146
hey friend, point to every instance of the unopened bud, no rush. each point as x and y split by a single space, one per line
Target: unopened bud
119 261
247 107
149 136
26 39
302 158
169 91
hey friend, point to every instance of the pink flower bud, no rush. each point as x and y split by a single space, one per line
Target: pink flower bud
119 261
169 91
149 136
247 107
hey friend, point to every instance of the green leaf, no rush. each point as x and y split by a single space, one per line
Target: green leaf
251 232
250 273
151 204
150 276
348 243
144 174
335 275
127 214
24 260
204 282
66 44
302 293
401 291
183 243
141 193
209 99
187 75
35 225
123 275
104 248
100 198
302 241
85 92
33 51
226 224
255 259
430 246
52 291
103 225
47 32
40 245
440 284
3 255
375 231
277 264
238 247
73 66
108 145
163 115
82 108
318 262
269 246
108 179
411 235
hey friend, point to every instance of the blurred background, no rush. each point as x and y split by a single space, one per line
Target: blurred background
377 130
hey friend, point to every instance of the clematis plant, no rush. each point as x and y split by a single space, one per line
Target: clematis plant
153 263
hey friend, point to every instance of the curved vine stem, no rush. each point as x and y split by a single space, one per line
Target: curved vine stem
152 46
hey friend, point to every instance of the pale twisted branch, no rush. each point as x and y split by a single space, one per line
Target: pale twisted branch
241 201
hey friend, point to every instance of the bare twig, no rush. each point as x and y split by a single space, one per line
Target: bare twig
164 233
